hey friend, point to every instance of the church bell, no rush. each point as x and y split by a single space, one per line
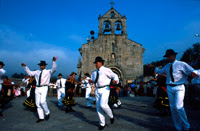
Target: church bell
107 28
118 26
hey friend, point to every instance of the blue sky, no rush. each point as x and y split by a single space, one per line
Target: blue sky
34 30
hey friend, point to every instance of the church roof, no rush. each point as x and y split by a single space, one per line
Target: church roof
108 13
134 41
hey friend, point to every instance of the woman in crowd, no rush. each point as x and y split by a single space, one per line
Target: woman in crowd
30 101
6 94
162 101
69 100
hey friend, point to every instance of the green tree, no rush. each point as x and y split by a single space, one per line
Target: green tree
21 75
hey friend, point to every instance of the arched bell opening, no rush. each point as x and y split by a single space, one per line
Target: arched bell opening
118 27
106 27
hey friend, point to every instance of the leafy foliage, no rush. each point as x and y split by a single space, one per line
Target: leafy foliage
21 75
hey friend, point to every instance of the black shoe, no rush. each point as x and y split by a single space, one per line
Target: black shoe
39 120
47 117
101 127
66 110
112 120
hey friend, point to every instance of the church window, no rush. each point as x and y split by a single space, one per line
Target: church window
112 15
113 56
113 47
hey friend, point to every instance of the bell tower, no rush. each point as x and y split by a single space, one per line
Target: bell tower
121 54
112 23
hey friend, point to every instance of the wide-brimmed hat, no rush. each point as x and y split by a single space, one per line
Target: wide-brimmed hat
170 52
59 74
1 63
98 59
87 74
73 73
42 63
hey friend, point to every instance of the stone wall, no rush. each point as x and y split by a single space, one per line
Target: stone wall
117 51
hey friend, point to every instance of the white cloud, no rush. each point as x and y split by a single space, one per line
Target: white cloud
16 48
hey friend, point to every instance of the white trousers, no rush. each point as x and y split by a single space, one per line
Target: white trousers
102 95
87 96
60 95
40 100
28 92
176 96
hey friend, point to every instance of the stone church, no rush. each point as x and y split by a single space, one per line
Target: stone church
122 55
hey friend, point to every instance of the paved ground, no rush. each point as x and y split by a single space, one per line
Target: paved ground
135 114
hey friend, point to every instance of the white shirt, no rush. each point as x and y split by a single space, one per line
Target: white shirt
105 76
54 86
196 80
63 81
46 74
181 70
86 82
25 80
51 85
83 84
2 75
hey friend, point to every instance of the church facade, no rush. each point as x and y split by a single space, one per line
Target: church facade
122 55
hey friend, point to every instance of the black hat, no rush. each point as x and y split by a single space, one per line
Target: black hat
42 63
98 59
170 52
73 73
1 63
59 74
87 74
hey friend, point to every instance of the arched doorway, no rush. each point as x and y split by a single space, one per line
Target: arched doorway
118 71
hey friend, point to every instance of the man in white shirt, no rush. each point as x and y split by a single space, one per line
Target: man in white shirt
60 83
101 78
88 91
2 74
177 73
42 81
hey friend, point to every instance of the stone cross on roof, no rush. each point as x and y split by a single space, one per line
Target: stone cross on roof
112 3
